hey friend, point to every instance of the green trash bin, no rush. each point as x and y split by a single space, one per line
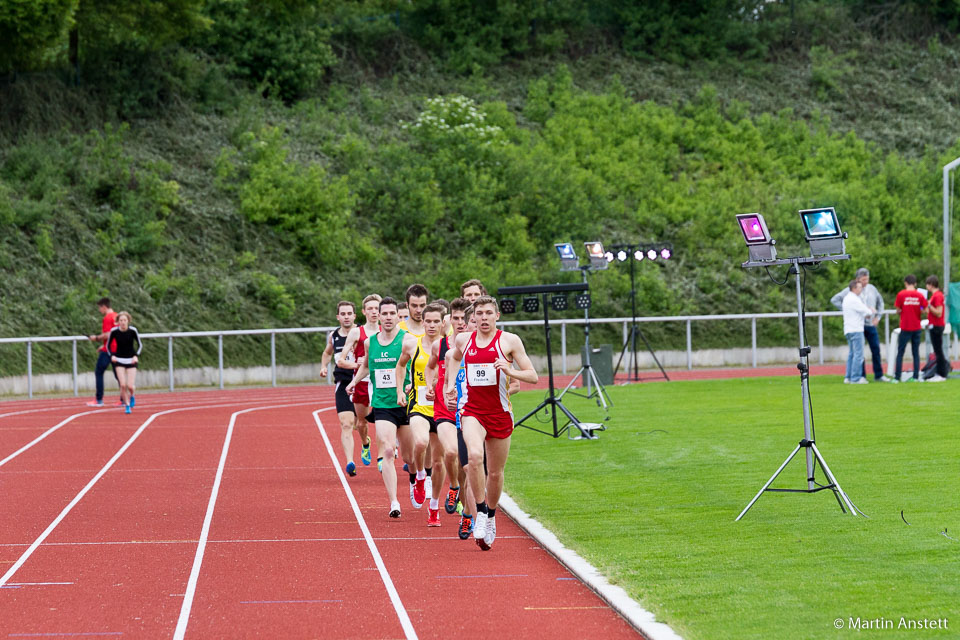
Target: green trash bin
601 359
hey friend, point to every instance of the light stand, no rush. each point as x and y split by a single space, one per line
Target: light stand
631 339
551 401
603 398
808 443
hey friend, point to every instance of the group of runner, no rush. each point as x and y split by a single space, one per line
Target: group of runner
436 385
120 351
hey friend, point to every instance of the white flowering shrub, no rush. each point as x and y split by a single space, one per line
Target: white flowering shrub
454 120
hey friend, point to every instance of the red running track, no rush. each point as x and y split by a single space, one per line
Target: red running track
222 515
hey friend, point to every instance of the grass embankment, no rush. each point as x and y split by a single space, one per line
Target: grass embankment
652 504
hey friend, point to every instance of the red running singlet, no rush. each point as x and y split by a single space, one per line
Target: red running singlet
440 411
485 395
361 393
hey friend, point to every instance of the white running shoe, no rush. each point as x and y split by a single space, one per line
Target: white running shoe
412 501
491 533
428 487
937 378
480 527
394 509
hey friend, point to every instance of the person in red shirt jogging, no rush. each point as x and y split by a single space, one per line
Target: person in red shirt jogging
487 418
103 358
937 321
910 305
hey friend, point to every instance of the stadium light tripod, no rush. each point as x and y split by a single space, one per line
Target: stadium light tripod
824 235
598 262
635 253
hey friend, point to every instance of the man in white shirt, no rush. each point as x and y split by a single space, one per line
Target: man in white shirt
872 298
854 313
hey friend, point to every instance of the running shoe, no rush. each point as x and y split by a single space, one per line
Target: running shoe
380 465
133 401
490 534
406 468
453 496
94 403
351 469
936 378
394 509
365 453
428 486
479 527
466 527
459 507
412 501
118 403
434 518
126 408
419 494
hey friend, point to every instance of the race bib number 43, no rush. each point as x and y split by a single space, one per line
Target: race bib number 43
481 375
386 378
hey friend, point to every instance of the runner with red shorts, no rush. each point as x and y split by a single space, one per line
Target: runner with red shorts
356 340
487 417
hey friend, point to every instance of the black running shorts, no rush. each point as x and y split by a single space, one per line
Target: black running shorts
396 415
344 403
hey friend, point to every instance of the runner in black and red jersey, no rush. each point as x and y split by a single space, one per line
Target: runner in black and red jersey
346 314
487 417
361 396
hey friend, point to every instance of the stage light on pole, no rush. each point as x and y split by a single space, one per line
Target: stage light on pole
759 243
568 257
651 254
666 252
582 301
508 305
638 255
531 304
621 255
609 256
558 302
598 259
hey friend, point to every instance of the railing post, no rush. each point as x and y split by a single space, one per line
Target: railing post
886 331
689 348
753 340
29 369
76 381
273 359
563 348
820 327
170 360
220 358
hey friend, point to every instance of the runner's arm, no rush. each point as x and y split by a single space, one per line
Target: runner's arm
524 371
430 371
327 355
341 361
409 347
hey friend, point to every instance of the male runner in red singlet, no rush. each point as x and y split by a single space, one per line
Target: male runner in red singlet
346 314
487 416
361 395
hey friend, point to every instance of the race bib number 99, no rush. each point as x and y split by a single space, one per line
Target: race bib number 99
386 378
481 375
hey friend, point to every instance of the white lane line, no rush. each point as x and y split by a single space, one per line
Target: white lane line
618 599
63 514
45 434
384 575
191 590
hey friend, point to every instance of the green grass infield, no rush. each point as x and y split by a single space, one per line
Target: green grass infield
652 505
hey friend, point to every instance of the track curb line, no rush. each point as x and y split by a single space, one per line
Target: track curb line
631 610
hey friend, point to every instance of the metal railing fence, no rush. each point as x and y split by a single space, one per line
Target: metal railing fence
563 324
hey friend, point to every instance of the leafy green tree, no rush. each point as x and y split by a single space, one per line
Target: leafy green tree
31 30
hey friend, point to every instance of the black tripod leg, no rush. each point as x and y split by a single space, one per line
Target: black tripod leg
573 421
650 349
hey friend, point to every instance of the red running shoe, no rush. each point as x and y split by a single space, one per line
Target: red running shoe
419 493
434 519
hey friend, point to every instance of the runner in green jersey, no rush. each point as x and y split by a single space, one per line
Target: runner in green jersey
387 396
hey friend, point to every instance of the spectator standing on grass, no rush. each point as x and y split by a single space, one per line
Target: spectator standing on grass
103 358
872 298
854 314
937 321
910 305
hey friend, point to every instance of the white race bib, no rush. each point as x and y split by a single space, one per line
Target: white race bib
422 397
386 378
481 375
